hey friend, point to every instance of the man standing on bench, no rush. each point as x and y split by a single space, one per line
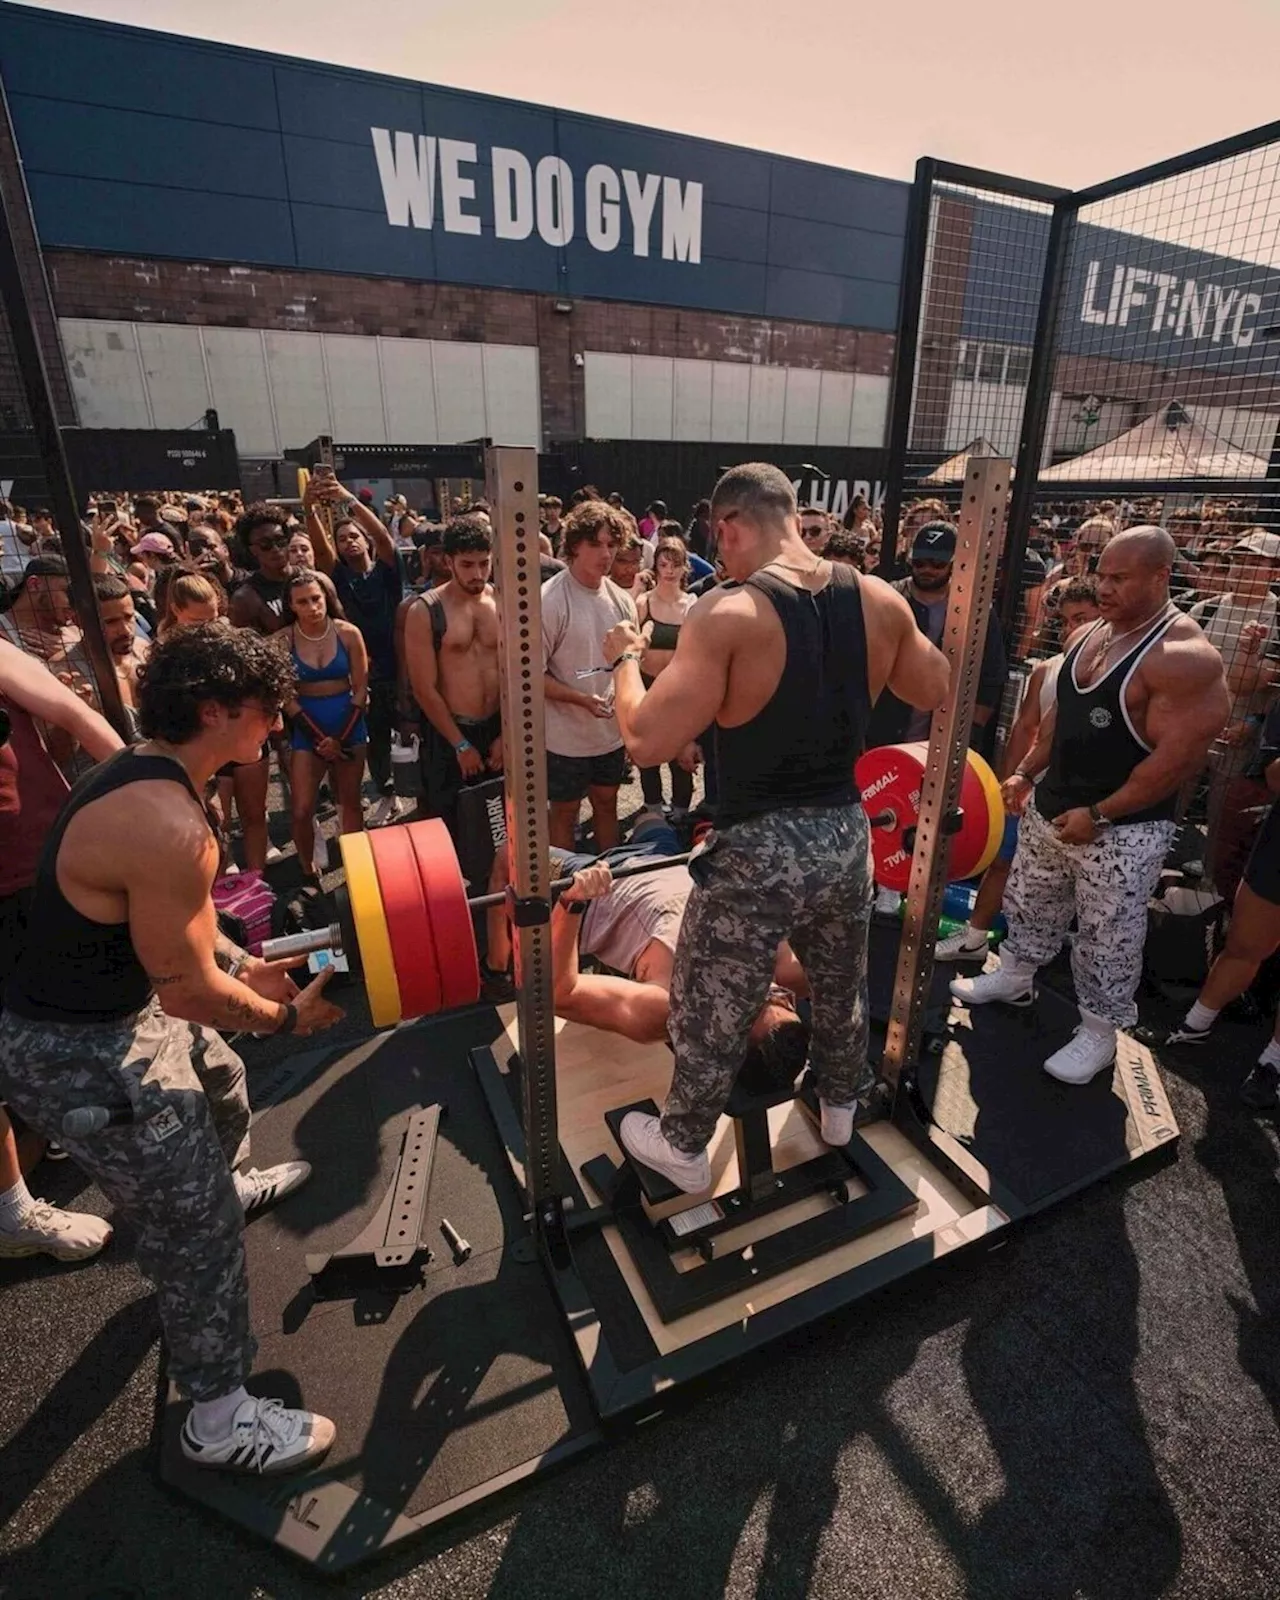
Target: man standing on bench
786 661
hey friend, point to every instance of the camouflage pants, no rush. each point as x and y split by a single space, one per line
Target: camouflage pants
167 1172
1106 886
801 875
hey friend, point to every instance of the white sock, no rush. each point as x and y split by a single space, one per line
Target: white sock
211 1419
1271 1055
1200 1018
14 1205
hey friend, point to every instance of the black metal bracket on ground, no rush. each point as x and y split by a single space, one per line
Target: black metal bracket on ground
727 1270
388 1255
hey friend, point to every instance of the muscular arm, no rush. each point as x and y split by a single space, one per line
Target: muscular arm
423 664
1187 707
1026 725
174 929
918 672
30 684
377 532
685 699
637 1011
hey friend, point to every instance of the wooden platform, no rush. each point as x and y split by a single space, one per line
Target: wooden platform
597 1071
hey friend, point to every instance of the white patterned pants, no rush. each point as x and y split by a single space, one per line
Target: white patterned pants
1106 885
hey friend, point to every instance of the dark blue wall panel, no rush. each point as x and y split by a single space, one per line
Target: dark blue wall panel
148 144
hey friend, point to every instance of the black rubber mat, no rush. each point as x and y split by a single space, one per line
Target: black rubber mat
439 1391
988 1088
882 964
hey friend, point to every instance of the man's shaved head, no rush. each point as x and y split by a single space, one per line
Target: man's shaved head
757 489
1149 546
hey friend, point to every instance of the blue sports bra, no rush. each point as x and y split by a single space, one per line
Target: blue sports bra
332 671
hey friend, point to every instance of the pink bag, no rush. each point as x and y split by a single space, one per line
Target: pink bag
248 899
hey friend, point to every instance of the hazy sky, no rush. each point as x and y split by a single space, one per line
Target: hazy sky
1066 92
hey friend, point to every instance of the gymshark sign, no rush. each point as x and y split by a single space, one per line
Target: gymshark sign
835 494
1165 303
647 212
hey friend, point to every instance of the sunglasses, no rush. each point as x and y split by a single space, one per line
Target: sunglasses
281 541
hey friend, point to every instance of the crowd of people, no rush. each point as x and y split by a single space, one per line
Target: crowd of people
756 642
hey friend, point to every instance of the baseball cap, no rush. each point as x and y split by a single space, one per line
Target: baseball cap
936 541
1258 542
365 497
396 500
154 544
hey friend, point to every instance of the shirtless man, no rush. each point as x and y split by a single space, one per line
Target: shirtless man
1139 700
122 980
451 651
786 663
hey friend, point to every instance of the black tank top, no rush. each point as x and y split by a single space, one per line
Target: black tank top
799 749
1095 744
73 969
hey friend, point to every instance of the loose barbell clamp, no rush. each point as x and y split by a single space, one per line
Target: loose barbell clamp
405 923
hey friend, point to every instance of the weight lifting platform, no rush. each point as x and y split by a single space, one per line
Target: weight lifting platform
506 1367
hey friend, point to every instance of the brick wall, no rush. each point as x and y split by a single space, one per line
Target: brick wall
130 290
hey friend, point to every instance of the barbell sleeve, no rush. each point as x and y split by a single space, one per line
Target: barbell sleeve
309 942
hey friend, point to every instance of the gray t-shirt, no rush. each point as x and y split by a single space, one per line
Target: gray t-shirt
575 620
616 928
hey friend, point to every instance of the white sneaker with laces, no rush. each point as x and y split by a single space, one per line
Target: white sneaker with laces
968 944
261 1187
643 1137
265 1437
1006 982
44 1230
837 1123
1090 1050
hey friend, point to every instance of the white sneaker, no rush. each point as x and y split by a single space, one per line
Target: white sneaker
1001 983
1090 1050
265 1437
387 809
274 854
47 1231
262 1187
642 1136
968 944
837 1123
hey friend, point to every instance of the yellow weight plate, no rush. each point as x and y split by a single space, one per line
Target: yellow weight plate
995 807
376 959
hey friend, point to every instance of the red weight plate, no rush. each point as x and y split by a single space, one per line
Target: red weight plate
450 914
409 924
889 778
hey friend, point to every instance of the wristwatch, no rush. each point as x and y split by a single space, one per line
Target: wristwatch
1098 820
627 655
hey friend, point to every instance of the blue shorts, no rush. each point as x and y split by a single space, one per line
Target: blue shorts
1010 841
652 838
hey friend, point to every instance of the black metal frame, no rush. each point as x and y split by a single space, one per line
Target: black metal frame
1067 205
34 376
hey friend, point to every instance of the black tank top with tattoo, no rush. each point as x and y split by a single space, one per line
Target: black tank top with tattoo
73 969
799 749
1095 744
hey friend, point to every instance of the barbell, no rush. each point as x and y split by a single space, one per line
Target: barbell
405 923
